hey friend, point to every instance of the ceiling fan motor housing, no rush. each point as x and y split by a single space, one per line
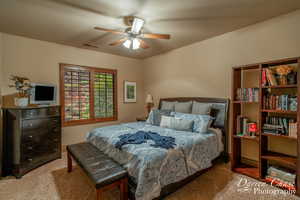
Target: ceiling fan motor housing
128 20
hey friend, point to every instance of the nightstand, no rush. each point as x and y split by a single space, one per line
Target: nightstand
141 119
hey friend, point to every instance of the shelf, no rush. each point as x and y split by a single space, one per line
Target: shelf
281 158
279 136
248 102
248 171
281 111
281 86
256 138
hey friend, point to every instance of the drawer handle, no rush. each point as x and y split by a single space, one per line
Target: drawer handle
30 136
30 124
29 148
29 159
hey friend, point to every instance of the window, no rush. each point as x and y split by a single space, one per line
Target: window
87 94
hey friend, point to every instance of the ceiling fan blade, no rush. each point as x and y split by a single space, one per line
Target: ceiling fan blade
137 25
156 36
118 42
90 45
109 30
143 44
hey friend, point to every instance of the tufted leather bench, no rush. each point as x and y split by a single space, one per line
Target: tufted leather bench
103 172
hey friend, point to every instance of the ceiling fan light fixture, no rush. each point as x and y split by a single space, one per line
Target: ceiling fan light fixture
132 43
127 44
135 44
137 25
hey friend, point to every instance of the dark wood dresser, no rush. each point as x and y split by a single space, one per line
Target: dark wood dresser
31 137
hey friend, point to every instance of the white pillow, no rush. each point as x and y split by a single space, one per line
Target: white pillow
176 123
201 122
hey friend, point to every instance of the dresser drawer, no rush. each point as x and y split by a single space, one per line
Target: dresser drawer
31 160
41 136
32 150
40 112
35 124
50 124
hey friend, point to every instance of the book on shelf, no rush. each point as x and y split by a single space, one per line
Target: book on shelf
280 102
245 127
280 183
284 175
247 94
268 77
280 126
279 75
293 130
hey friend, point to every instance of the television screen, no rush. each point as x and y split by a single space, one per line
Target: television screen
44 93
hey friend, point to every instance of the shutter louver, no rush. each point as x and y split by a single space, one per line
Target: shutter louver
77 95
103 95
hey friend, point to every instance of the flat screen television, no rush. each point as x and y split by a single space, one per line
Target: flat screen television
43 94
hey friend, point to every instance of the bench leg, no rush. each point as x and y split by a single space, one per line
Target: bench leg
69 162
99 194
124 189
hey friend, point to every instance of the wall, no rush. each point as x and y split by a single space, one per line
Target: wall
1 66
1 74
1 54
204 68
38 60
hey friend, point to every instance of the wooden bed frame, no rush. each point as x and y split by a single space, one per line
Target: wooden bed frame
224 157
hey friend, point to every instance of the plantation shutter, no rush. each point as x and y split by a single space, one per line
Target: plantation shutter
77 94
103 94
88 94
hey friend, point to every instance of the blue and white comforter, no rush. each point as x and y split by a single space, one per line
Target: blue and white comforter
153 168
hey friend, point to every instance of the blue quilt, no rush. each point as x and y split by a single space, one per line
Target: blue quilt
152 168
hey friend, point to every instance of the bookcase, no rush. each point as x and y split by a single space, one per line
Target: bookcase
264 128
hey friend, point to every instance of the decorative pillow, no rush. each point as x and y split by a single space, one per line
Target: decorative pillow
168 105
155 116
201 122
201 108
219 113
176 123
183 107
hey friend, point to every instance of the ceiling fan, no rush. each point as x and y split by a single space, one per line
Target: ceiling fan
133 35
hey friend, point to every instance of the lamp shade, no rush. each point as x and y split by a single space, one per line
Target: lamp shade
149 98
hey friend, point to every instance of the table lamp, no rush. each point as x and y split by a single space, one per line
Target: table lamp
149 102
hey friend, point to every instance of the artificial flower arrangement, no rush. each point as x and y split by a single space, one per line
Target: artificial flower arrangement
283 71
23 86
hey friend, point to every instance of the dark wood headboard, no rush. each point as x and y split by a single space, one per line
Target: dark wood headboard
220 105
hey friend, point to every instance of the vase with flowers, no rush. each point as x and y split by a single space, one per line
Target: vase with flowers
23 86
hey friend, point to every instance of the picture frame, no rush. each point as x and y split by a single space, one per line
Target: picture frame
129 92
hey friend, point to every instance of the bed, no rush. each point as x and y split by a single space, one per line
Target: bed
156 172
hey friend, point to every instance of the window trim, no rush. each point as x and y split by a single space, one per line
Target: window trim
92 119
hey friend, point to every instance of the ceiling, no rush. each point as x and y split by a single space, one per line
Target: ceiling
72 22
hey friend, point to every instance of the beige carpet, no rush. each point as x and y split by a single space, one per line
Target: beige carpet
52 182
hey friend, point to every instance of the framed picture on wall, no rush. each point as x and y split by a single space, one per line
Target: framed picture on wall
129 92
